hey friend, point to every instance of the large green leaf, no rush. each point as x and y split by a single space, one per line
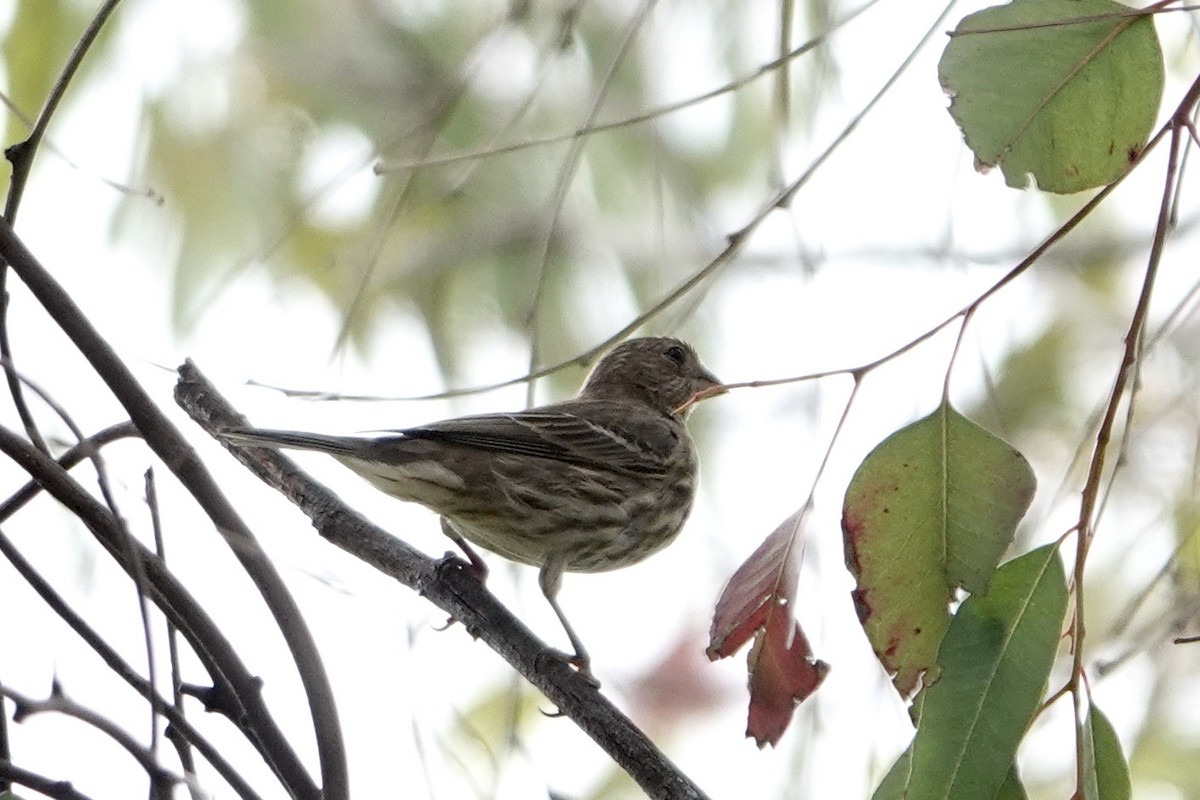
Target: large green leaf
1070 104
931 509
995 660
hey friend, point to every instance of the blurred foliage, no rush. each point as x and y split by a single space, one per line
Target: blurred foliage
470 234
41 35
263 148
1029 389
1187 528
1158 756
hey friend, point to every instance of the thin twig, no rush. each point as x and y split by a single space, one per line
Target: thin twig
182 747
562 184
77 453
93 455
637 119
10 773
21 155
161 779
235 693
1089 496
122 669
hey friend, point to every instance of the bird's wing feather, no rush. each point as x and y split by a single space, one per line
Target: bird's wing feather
580 432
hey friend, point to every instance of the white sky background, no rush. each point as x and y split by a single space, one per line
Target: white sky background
393 673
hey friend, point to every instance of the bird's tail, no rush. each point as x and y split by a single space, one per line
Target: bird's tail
297 440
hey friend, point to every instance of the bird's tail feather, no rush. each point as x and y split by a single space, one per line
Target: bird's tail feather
297 440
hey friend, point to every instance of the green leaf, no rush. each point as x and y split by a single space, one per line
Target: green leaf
1106 774
892 786
931 509
893 783
1070 104
995 661
1012 789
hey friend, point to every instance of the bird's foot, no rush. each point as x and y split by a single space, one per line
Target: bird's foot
581 664
454 561
451 561
477 567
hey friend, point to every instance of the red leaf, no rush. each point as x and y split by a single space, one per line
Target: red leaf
783 674
757 603
766 578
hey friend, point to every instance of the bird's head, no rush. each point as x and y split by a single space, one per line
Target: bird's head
663 372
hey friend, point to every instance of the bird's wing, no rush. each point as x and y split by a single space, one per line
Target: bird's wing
592 433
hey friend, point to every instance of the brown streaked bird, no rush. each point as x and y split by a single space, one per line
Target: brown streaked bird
588 485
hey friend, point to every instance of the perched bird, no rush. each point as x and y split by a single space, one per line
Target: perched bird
588 485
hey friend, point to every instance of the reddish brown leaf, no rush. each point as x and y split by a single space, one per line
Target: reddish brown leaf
782 674
757 603
767 577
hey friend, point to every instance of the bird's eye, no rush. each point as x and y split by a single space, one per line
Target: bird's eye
676 354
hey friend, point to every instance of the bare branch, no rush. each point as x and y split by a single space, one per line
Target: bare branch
58 790
238 690
161 780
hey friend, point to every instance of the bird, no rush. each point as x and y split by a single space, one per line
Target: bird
595 483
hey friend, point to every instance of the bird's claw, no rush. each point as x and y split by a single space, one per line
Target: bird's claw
453 561
580 664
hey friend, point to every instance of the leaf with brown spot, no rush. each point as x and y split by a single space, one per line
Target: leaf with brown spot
930 510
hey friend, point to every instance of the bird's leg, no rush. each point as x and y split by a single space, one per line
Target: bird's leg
550 579
477 565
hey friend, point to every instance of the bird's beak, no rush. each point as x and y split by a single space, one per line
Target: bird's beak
706 385
710 385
